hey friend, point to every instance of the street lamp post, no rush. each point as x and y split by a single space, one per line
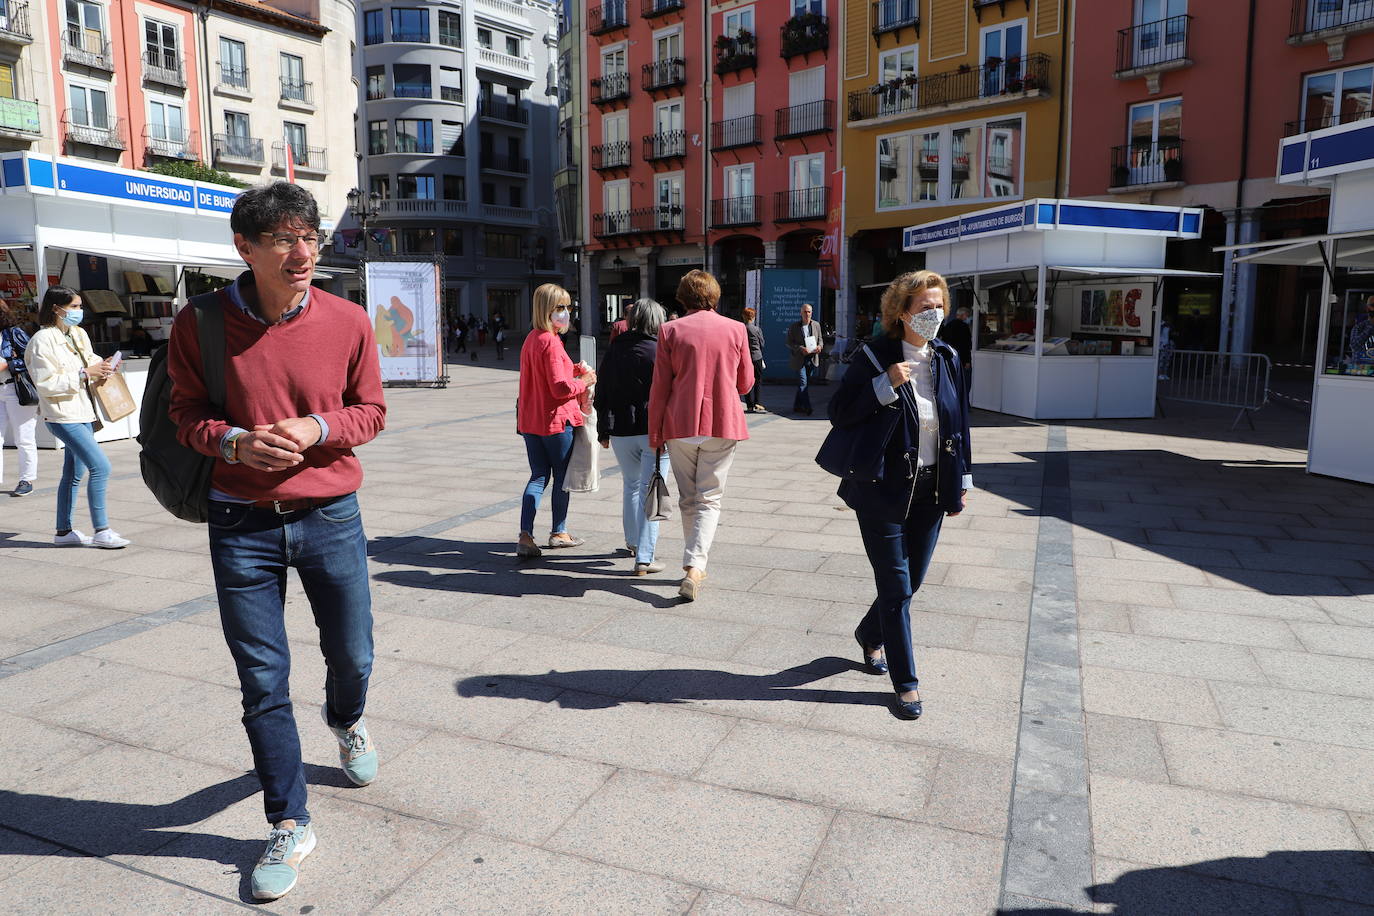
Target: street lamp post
363 207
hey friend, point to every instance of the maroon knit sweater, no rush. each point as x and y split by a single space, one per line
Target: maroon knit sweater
324 361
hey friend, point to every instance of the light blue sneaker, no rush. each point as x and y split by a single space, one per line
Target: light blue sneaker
280 865
357 756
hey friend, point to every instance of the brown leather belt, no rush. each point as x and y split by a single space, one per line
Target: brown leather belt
287 506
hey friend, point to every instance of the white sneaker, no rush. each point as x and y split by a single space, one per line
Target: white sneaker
72 538
109 539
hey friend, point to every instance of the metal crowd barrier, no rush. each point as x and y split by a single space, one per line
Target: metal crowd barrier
1236 380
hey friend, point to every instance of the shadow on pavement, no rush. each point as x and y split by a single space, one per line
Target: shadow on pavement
585 689
10 539
1329 881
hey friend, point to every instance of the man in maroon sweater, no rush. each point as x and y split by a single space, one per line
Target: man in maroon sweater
303 388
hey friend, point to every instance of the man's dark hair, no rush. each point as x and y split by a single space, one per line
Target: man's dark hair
260 210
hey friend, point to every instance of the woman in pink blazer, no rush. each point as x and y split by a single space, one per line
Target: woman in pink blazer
702 369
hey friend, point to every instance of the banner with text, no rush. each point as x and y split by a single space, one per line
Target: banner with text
781 296
1114 308
403 304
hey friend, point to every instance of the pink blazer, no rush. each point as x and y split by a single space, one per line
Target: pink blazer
702 369
548 391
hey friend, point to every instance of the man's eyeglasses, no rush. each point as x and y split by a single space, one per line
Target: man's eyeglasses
284 242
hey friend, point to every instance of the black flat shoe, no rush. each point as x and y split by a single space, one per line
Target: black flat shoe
904 710
871 665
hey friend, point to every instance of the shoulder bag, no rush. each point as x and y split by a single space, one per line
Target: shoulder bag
24 389
857 452
658 503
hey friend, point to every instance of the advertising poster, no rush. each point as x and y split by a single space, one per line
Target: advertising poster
781 296
1114 308
403 304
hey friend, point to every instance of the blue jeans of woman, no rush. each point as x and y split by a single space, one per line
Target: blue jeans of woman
636 467
81 454
899 553
548 457
250 551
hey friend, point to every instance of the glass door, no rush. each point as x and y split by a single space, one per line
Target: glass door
1154 140
896 76
739 194
807 181
1003 46
669 202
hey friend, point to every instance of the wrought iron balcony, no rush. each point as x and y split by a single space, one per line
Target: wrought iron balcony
639 221
953 88
233 77
804 33
83 48
235 149
808 118
736 211
163 67
1147 163
495 162
608 17
168 143
1318 122
651 8
82 126
303 158
1153 46
298 91
1313 19
668 144
610 88
502 110
895 15
614 155
801 204
664 74
736 53
14 22
735 132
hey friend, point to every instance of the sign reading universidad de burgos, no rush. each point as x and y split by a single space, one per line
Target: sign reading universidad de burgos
403 304
1124 309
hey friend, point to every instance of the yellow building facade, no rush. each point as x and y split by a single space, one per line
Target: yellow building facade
947 106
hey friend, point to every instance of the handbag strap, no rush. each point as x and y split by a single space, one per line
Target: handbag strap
873 359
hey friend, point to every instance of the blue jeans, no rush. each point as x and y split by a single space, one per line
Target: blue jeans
250 551
803 399
636 467
548 457
899 553
81 453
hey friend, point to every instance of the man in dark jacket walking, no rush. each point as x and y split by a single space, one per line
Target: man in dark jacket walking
956 332
805 343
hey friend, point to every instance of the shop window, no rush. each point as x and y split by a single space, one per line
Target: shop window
411 81
453 241
455 187
373 26
450 29
505 302
1350 335
415 187
409 24
376 83
1338 97
508 245
414 136
376 138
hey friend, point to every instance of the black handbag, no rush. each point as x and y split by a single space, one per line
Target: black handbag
857 452
24 389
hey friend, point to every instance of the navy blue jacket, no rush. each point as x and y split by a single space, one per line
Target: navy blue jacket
622 386
882 481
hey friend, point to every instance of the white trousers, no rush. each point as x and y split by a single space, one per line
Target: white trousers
24 421
700 471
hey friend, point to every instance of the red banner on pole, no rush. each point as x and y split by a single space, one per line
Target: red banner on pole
834 233
290 164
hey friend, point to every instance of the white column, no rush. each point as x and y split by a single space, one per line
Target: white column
844 299
1039 313
40 263
770 252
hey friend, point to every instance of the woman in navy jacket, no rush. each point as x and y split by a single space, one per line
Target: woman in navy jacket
902 417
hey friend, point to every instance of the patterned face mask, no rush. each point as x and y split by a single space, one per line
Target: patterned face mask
927 323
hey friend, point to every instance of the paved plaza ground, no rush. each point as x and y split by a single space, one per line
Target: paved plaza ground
1146 653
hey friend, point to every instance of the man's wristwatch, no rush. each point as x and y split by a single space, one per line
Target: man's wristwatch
230 449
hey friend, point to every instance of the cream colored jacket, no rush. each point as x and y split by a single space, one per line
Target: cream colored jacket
55 359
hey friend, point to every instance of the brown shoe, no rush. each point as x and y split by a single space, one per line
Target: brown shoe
525 548
564 539
691 583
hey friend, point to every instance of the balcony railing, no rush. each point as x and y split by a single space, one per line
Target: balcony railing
83 126
651 8
804 33
168 143
1153 45
735 132
611 155
736 53
953 87
450 94
639 221
664 74
20 116
610 88
1320 15
668 144
801 204
1147 163
894 15
1317 123
495 162
81 47
736 211
807 118
507 214
422 206
502 110
305 158
163 67
233 77
300 91
608 17
233 148
497 60
14 21
416 36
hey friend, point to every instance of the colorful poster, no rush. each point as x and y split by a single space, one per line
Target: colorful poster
781 296
1114 308
403 304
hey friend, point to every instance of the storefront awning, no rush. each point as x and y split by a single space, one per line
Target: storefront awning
1343 249
1027 273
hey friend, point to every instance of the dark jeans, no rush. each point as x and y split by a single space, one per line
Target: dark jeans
751 400
81 453
803 399
899 553
250 550
548 457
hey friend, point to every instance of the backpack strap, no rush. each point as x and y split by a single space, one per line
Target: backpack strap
210 329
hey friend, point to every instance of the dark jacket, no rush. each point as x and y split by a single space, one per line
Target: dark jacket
885 484
755 341
622 386
959 336
796 336
13 340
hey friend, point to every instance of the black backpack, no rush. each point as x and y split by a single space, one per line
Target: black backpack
179 477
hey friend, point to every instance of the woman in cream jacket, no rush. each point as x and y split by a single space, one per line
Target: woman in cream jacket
61 361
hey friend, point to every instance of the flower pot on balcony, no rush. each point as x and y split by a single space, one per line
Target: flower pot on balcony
1121 176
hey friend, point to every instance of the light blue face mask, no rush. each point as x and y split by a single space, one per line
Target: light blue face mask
72 317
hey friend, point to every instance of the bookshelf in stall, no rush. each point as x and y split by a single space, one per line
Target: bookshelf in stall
149 304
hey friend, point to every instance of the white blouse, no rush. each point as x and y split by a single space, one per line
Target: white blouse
922 383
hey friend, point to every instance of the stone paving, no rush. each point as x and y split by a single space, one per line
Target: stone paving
563 737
